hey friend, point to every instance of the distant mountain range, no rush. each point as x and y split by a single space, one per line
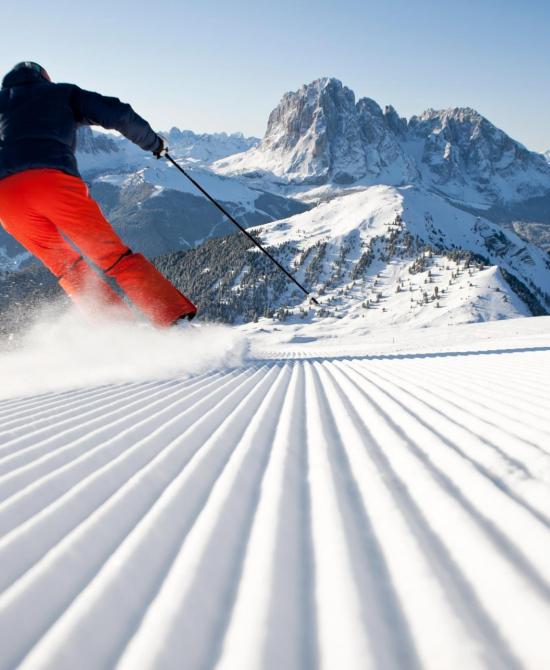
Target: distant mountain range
100 152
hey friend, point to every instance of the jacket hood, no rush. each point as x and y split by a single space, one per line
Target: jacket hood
22 75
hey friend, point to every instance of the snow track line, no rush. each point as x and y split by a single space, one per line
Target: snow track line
482 458
55 473
491 379
101 482
351 512
52 400
460 487
73 408
341 636
401 473
472 408
511 569
410 560
42 574
265 356
175 494
47 459
277 594
486 384
83 421
381 613
487 429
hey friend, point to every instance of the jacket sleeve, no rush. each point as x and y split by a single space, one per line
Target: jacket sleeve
99 110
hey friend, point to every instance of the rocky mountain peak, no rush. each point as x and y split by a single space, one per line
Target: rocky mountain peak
395 123
310 128
463 149
319 134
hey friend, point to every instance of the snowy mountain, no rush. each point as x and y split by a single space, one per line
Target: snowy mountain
326 149
384 256
320 134
99 151
468 158
547 155
157 210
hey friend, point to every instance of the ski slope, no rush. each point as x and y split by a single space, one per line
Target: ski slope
353 502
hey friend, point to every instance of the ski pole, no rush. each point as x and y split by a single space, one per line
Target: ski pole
241 228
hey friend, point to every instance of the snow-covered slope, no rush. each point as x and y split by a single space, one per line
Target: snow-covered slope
386 506
319 135
157 210
379 256
165 177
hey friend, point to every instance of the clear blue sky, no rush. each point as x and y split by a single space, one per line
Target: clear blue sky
213 65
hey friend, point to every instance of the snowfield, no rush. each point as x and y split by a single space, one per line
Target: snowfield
330 499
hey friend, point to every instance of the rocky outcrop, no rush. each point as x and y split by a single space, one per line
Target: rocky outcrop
320 134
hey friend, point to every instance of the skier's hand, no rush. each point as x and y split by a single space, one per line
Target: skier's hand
163 149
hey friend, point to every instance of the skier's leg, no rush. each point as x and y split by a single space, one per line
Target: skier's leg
91 292
81 220
42 239
149 290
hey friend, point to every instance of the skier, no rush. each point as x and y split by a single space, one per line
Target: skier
45 205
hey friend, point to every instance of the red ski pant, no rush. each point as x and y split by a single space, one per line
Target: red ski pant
52 215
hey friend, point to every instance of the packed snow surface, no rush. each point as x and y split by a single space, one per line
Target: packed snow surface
336 500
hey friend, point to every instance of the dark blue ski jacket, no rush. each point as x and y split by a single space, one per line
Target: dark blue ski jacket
39 119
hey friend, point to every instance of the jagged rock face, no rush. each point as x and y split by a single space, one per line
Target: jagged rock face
461 145
315 134
319 134
380 132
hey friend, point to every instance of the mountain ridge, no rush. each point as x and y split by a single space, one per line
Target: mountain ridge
320 134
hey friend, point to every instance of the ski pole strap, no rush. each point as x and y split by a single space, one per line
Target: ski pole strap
241 228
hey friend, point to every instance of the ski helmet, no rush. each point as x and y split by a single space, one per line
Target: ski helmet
29 65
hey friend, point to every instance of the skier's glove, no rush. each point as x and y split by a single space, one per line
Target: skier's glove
163 149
